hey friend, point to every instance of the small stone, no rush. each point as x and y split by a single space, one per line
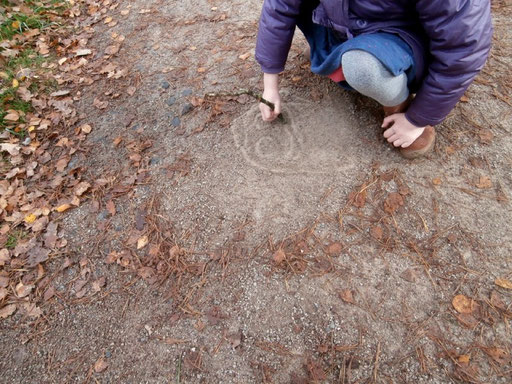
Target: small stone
186 109
108 354
165 85
171 101
176 122
155 160
186 92
136 126
103 215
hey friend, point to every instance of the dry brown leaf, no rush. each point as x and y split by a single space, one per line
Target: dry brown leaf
347 296
83 52
500 355
393 202
32 310
23 290
111 208
464 359
245 56
131 90
3 293
484 182
437 181
377 232
464 304
279 256
81 188
12 116
503 283
100 365
62 163
334 249
7 311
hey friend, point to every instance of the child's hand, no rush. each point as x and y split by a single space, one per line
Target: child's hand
400 131
270 93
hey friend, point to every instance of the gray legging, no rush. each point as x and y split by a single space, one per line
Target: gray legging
366 74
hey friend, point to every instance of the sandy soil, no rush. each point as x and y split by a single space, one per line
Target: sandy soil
297 252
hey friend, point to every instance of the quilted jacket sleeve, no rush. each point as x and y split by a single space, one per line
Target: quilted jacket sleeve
275 34
460 33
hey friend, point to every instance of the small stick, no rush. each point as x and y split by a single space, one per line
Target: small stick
248 92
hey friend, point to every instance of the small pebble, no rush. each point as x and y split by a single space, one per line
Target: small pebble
176 122
186 92
26 141
155 161
108 354
136 126
171 101
186 109
165 85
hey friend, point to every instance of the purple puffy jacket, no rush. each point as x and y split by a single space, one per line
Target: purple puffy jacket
450 40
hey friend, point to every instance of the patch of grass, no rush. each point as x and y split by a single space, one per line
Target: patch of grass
14 238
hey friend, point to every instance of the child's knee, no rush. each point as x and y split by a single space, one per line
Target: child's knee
367 75
361 69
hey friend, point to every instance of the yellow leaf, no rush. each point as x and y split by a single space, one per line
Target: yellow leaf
15 24
4 75
29 219
15 83
108 20
63 207
503 283
31 128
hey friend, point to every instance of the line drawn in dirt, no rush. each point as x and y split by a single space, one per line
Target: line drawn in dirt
311 141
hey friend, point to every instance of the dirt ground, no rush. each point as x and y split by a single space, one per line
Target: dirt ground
227 250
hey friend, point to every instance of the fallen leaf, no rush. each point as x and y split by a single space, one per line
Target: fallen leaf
81 188
3 293
100 365
37 255
83 52
98 284
23 290
111 208
464 359
279 256
29 219
377 232
437 181
12 149
7 311
142 242
410 275
463 304
503 283
334 249
86 128
484 182
500 355
62 163
393 202
4 256
245 56
12 116
485 136
347 296
32 310
63 208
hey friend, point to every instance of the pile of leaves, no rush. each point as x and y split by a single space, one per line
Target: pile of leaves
43 65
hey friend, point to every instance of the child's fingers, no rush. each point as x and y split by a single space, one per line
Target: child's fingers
388 133
266 112
388 121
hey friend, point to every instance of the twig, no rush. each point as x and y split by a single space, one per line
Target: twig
251 93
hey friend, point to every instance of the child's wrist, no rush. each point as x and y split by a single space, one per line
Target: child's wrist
271 81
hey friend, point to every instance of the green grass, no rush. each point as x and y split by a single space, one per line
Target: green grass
13 239
42 16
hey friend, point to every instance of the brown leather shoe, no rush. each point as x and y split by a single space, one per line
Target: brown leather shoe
422 145
388 111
